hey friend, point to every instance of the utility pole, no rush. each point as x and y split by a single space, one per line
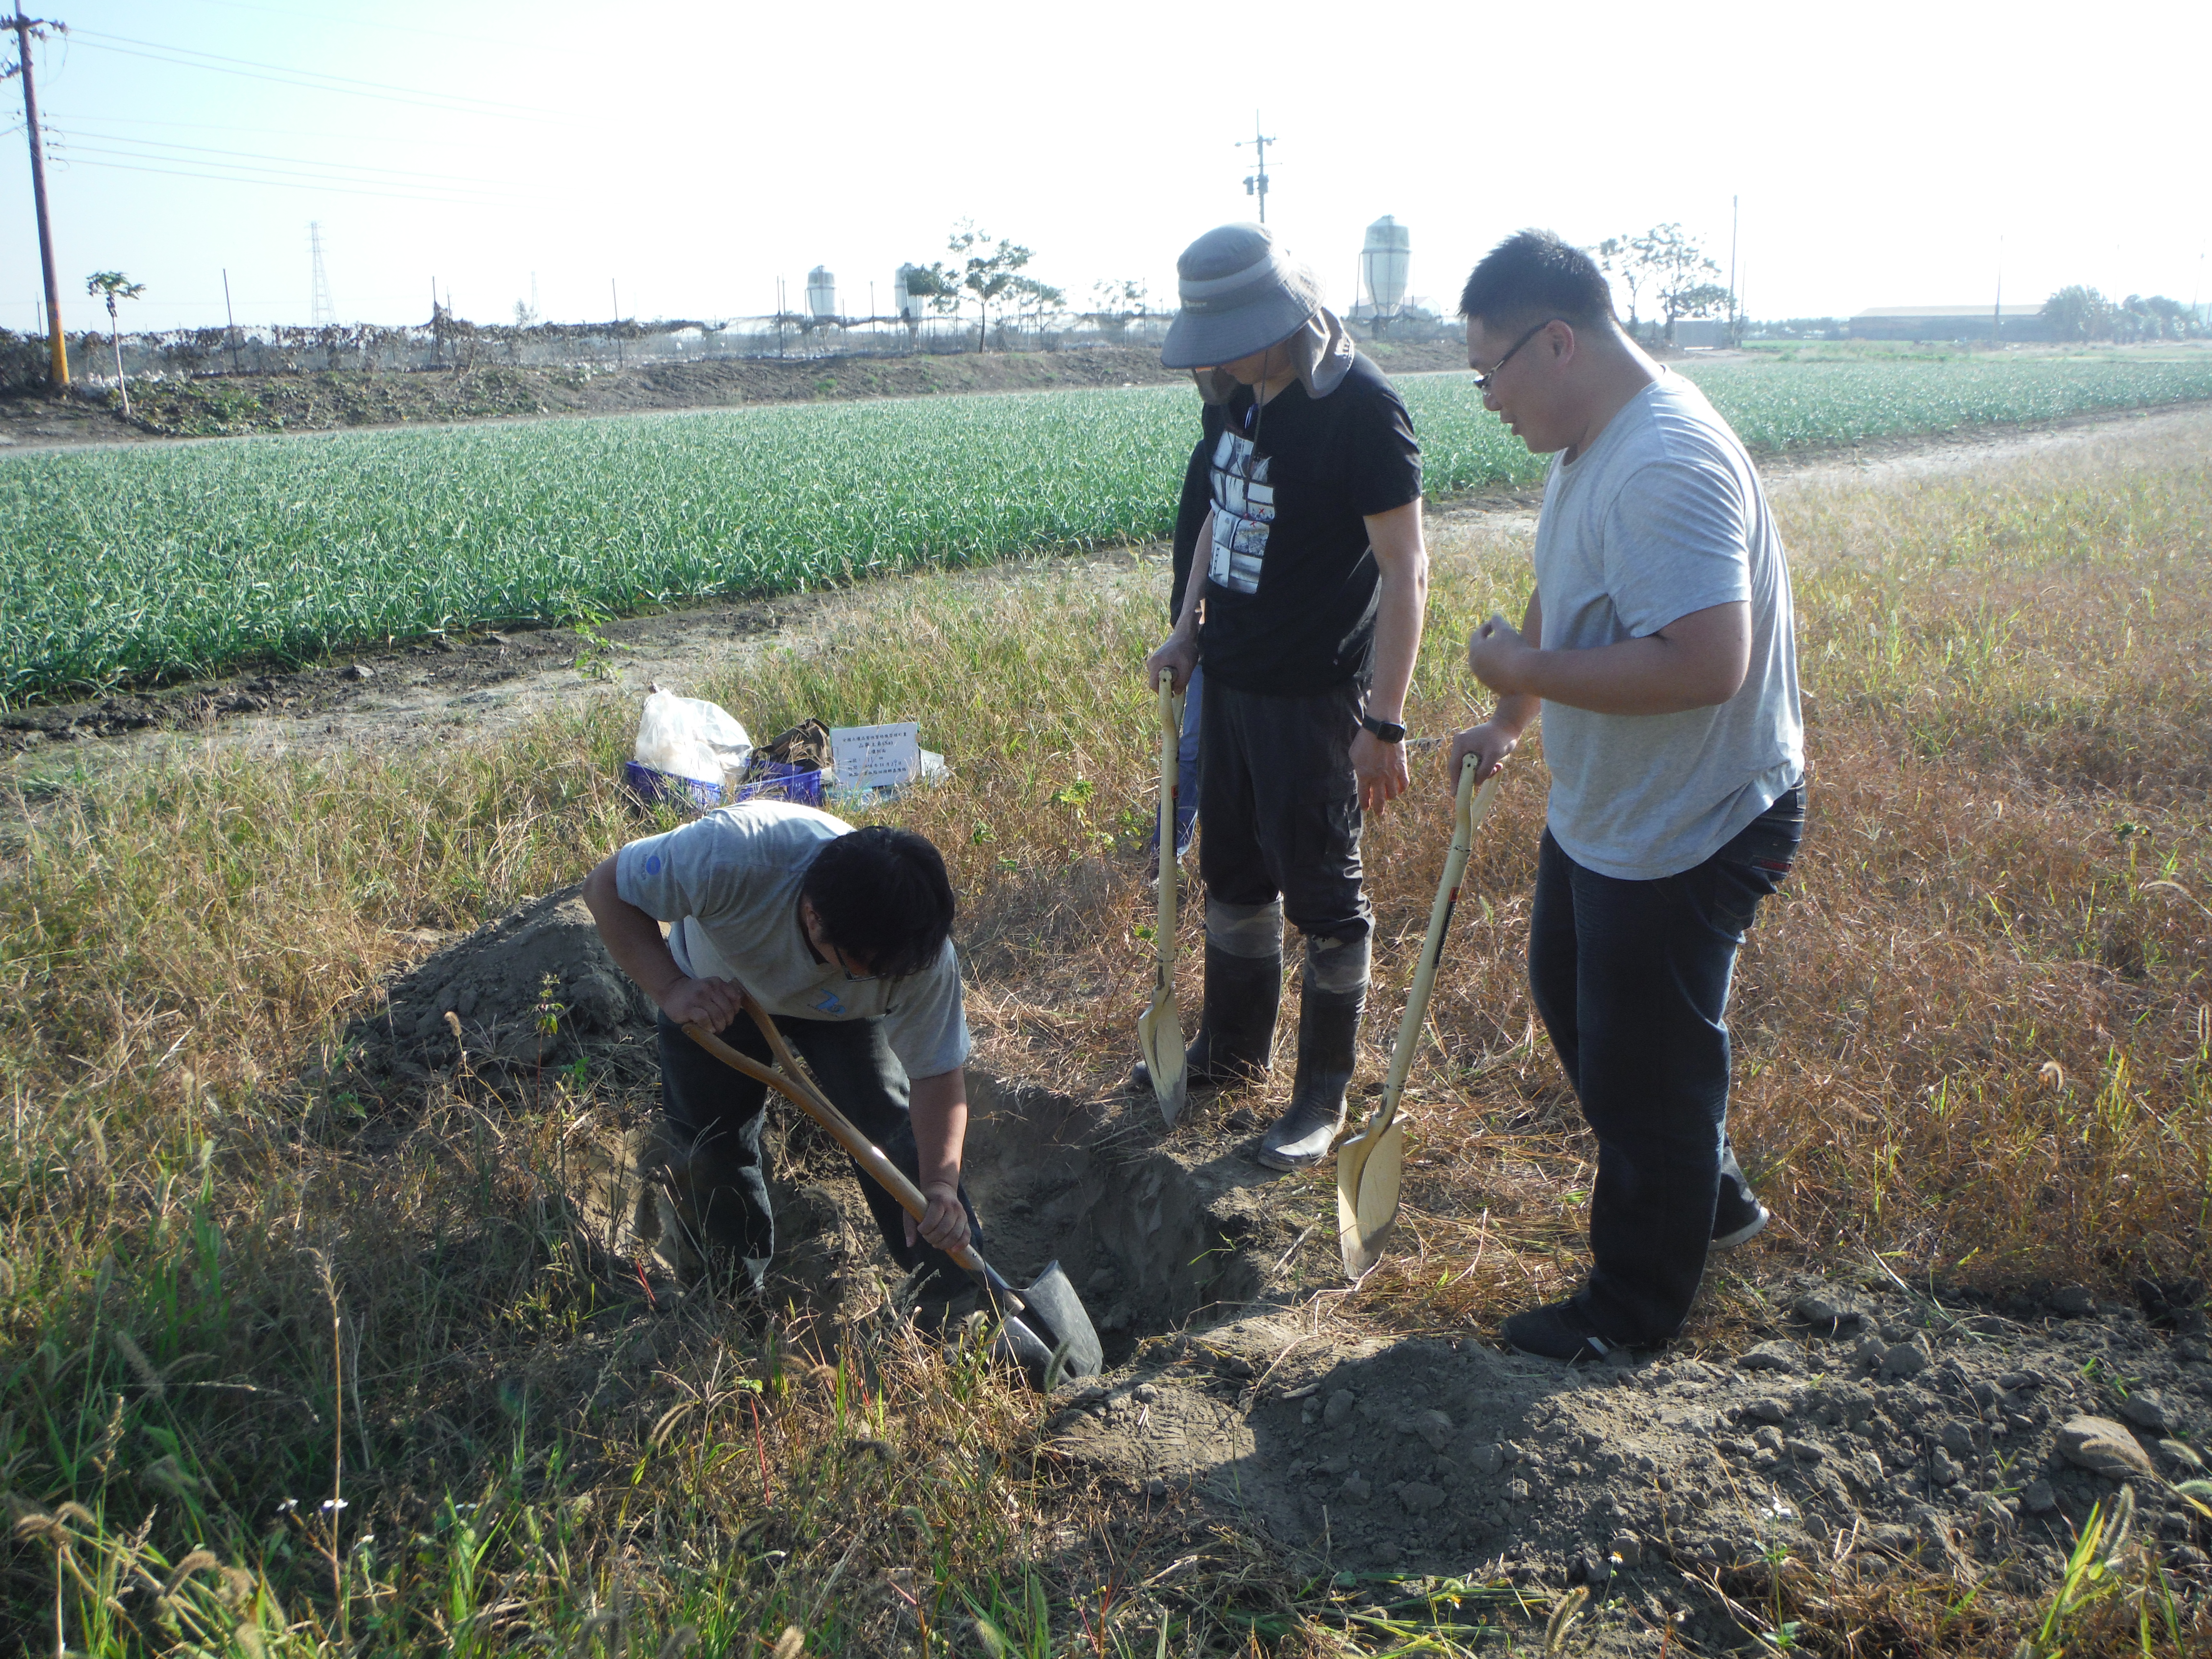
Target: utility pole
1997 315
615 294
27 30
1256 182
229 318
1735 206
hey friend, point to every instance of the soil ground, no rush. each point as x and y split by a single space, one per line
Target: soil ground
1871 1428
317 400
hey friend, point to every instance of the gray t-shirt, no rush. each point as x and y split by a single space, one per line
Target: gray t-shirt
1661 517
729 881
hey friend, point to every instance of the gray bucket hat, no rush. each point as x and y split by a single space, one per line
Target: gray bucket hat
1240 293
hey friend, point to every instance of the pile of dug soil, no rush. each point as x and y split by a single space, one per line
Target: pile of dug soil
534 988
1867 1427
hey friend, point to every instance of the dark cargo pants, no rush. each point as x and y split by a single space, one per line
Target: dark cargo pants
1280 805
715 1116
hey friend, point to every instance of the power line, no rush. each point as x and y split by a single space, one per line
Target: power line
63 143
359 23
280 184
310 80
67 119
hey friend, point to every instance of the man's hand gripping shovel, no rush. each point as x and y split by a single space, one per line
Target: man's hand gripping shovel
1044 1329
1160 1032
1371 1166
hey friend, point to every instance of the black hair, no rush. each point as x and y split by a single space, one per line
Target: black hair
882 898
1533 276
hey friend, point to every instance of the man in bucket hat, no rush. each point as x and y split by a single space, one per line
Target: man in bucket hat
1303 503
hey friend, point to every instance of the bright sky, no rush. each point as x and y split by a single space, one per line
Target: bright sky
693 153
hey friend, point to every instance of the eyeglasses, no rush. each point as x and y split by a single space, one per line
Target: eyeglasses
1482 381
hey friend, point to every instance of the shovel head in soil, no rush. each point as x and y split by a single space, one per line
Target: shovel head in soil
1159 1030
1052 1338
1044 1329
1370 1168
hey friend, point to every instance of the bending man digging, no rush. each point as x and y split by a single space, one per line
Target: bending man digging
1658 647
844 936
1304 602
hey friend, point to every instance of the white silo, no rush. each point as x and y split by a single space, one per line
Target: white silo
821 295
905 303
1384 259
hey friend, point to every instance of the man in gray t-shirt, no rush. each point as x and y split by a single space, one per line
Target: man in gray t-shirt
844 936
1659 648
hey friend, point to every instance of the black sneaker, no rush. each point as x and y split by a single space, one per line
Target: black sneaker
1559 1332
1733 1226
1739 1216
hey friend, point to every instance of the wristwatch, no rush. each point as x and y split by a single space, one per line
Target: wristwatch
1383 729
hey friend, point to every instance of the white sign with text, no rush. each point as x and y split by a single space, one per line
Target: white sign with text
876 756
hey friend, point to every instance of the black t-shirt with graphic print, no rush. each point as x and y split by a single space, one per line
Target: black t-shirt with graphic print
1292 582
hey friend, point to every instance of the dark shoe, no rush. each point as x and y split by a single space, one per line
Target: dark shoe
1739 1216
1559 1332
1731 1230
1328 1047
1236 1040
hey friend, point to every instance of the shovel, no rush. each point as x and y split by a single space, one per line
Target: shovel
1371 1166
1044 1329
1160 1032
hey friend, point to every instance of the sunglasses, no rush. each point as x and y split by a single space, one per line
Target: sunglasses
1482 381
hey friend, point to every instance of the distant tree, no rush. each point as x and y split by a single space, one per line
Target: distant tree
1123 301
1681 276
2156 317
113 286
2077 314
1705 300
936 282
1619 262
989 271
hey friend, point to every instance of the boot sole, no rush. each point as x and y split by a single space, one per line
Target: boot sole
1745 1234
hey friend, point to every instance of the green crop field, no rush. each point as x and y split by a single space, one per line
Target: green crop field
132 564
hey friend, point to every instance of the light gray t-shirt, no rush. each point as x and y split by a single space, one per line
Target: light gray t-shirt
1661 517
729 881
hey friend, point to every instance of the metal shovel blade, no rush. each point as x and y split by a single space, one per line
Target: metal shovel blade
1159 1039
1369 1173
1052 1338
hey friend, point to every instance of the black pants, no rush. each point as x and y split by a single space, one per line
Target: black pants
715 1116
1632 978
1281 807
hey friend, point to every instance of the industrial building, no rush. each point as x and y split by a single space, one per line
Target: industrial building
1945 323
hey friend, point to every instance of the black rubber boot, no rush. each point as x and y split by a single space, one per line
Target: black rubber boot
1236 1040
1328 1049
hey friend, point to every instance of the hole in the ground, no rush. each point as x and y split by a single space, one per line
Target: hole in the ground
1152 1241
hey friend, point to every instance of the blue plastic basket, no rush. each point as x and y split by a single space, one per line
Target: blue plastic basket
800 783
651 785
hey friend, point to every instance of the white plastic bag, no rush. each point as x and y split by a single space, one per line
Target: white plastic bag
692 739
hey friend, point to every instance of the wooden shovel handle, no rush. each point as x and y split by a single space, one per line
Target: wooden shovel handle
797 1087
1469 808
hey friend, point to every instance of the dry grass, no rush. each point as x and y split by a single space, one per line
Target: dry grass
1974 1037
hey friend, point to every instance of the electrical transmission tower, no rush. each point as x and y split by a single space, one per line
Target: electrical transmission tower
320 311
